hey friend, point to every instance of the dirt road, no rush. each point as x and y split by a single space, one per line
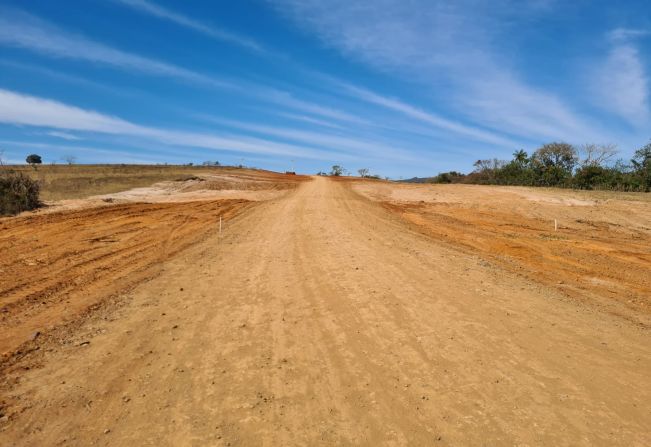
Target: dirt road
319 318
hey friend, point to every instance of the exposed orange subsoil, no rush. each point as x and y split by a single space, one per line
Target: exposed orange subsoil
54 266
601 251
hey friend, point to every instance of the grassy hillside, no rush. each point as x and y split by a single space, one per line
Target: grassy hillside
78 181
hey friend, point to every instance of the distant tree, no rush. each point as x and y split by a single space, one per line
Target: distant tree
590 176
486 171
363 172
554 163
596 154
642 164
336 170
34 160
560 155
70 159
559 164
481 165
520 157
447 177
488 165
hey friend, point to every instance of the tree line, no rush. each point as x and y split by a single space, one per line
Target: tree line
590 166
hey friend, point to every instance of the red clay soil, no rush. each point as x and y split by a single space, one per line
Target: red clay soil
53 267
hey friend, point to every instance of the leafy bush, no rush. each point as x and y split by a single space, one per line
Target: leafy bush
18 192
591 177
642 164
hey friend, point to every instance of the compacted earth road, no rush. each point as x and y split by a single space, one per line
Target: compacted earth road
319 318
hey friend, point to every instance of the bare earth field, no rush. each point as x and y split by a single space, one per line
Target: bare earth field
601 252
327 313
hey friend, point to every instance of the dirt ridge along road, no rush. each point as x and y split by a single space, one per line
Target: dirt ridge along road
321 319
56 266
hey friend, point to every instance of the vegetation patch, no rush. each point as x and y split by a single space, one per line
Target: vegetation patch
18 193
560 165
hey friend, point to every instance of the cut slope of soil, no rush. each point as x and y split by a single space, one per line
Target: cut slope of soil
53 266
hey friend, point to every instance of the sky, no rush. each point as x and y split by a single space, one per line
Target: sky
402 87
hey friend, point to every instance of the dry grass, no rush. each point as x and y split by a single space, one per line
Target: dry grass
78 181
18 192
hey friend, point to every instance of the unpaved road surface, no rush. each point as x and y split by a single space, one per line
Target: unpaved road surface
320 318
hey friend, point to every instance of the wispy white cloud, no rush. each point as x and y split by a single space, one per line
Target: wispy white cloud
19 109
619 35
63 135
621 85
454 45
309 119
22 30
336 143
68 78
427 117
16 108
191 23
287 99
505 103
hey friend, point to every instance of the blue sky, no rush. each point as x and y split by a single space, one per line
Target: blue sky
403 87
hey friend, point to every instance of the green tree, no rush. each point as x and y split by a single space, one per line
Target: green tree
587 177
521 157
642 164
554 163
34 160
